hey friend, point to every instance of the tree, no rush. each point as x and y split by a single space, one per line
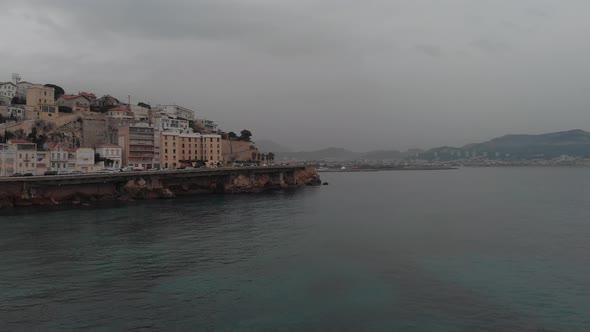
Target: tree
245 135
231 135
16 100
58 90
142 104
65 109
270 156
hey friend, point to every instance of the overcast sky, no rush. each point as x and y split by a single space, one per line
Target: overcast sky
371 74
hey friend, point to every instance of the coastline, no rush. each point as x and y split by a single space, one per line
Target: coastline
130 186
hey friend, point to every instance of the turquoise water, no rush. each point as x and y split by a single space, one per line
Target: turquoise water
465 250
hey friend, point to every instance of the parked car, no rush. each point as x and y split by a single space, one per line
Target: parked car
14 175
50 173
77 173
64 172
28 174
137 169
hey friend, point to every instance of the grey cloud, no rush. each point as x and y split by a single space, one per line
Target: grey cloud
314 73
490 46
430 50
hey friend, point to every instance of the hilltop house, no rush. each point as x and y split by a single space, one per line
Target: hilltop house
120 113
40 100
77 103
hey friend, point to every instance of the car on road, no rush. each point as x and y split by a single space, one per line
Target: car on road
50 173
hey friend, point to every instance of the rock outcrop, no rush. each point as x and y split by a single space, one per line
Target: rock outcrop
22 193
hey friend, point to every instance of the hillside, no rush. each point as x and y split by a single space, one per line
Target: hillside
545 146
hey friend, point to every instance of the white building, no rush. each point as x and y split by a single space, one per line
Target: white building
112 152
21 88
176 111
166 123
58 159
16 111
7 160
140 112
8 90
85 160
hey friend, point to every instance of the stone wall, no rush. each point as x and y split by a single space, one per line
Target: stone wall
149 186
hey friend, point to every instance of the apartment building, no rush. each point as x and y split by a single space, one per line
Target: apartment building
138 144
189 149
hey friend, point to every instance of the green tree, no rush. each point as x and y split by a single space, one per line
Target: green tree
245 135
231 135
58 90
142 104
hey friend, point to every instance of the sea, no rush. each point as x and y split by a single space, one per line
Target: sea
472 249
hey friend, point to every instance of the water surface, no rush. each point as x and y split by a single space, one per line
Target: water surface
465 250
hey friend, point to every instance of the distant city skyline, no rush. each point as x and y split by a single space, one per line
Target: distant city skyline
378 74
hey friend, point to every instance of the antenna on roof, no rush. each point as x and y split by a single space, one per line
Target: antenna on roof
15 78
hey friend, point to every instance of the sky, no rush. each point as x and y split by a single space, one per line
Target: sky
310 74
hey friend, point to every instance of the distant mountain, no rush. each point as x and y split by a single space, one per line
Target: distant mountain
545 146
340 154
266 146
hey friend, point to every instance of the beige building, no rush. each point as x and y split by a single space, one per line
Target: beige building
25 160
77 103
238 150
138 146
40 99
186 149
120 113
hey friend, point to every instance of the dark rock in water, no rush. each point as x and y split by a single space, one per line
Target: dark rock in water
325 184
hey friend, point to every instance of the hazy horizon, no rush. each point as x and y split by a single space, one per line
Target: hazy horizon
314 74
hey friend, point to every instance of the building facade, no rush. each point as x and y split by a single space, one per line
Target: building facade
166 123
25 160
190 149
77 103
7 160
176 111
138 143
120 113
59 156
113 155
8 90
21 88
40 99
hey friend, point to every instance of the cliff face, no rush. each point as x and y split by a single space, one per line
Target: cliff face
151 187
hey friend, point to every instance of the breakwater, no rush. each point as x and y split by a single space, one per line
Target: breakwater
56 190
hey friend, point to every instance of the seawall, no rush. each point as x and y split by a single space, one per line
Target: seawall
56 190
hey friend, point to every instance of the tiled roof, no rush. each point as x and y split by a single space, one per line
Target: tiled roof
70 96
87 94
119 109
